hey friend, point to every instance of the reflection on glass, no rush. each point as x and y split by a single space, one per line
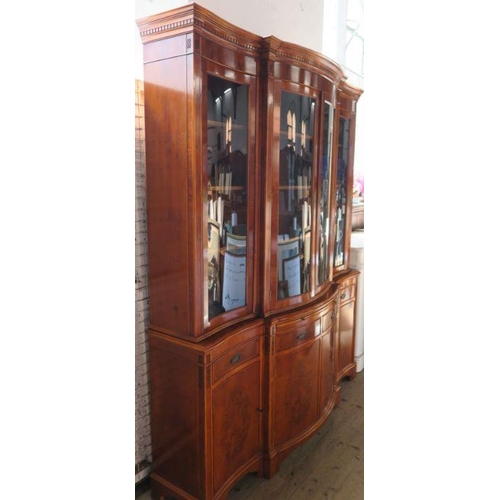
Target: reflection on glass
295 181
324 198
227 117
341 195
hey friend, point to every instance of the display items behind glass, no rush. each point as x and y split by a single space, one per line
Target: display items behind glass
227 156
341 194
324 198
295 196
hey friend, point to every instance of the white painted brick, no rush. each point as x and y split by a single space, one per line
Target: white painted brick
140 359
142 305
140 349
141 226
141 271
142 316
141 238
141 293
140 192
142 380
142 407
141 259
142 371
142 326
143 401
141 249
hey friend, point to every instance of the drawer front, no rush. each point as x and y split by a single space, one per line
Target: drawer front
297 334
236 357
347 293
327 320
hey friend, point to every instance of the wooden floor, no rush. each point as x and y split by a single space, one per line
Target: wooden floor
328 466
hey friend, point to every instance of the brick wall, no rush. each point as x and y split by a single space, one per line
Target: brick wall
142 409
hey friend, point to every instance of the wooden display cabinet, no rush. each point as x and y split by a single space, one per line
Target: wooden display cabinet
249 158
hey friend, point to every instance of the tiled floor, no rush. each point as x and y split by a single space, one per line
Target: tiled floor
330 466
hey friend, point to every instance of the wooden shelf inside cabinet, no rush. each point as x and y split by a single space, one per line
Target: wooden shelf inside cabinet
297 135
222 188
293 188
234 126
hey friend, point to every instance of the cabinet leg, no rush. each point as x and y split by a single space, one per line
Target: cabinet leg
271 466
351 374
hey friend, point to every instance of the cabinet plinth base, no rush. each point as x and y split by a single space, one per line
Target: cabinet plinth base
163 490
348 372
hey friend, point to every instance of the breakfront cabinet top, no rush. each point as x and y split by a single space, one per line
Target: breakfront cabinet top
277 49
193 18
241 162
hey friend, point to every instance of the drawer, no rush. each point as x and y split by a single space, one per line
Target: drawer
327 320
235 358
299 333
347 293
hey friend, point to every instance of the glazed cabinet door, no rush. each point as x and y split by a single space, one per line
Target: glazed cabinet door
325 180
295 197
229 199
342 197
344 164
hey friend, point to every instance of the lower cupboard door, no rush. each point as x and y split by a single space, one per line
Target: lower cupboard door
236 423
346 335
296 392
326 373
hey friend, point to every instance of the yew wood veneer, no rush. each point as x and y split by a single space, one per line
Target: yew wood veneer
235 388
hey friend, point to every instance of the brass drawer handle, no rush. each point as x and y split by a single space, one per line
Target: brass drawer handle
343 296
301 336
235 359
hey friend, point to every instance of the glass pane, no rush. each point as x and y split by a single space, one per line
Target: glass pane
295 181
227 118
324 198
341 194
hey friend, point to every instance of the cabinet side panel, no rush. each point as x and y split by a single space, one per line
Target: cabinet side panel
175 428
166 179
